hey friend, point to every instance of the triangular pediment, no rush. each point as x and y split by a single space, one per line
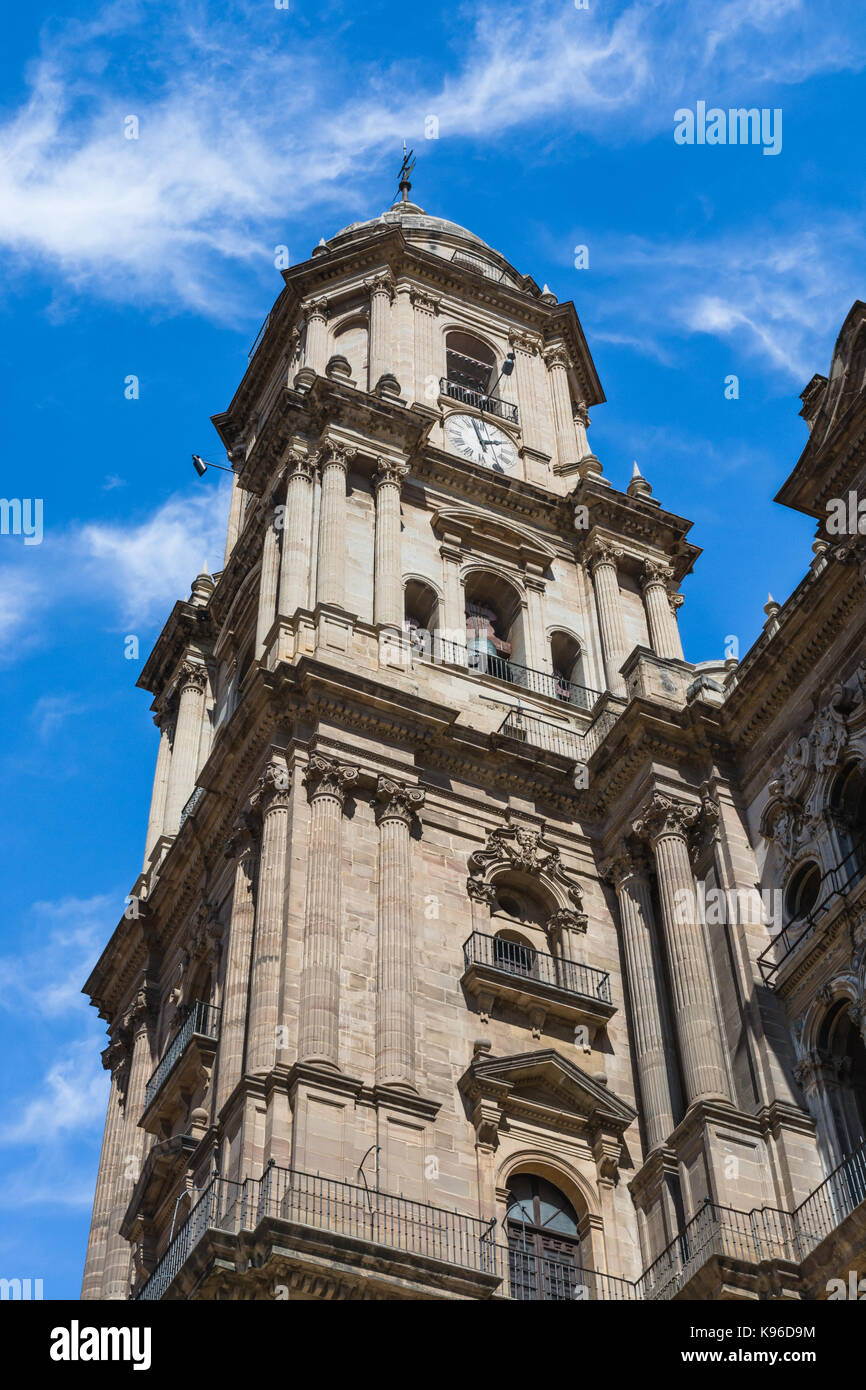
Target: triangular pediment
545 1080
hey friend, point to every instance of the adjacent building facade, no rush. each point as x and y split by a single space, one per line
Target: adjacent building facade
484 946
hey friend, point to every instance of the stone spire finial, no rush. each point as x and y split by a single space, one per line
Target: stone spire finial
638 487
202 588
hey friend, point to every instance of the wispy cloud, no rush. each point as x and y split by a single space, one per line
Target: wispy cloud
43 978
237 134
131 572
70 1099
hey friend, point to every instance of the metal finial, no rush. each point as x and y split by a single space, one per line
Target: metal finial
405 170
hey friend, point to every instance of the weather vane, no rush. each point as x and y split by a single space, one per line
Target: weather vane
406 168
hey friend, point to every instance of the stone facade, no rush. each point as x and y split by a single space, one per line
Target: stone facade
422 997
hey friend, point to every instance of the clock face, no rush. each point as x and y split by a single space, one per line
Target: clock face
481 442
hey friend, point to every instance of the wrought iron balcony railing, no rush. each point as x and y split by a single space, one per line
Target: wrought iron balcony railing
541 1278
490 405
537 682
555 738
338 1208
836 882
202 1020
828 1206
190 805
523 962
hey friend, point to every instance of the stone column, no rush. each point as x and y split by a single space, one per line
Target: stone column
566 439
192 682
272 798
115 1059
661 623
331 569
602 559
156 819
381 289
665 823
453 624
388 581
427 369
236 990
537 646
525 349
297 536
396 806
316 349
628 873
131 1148
327 783
270 574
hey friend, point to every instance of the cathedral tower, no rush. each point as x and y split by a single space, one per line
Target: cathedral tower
418 1000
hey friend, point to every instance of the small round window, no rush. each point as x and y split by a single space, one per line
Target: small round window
802 892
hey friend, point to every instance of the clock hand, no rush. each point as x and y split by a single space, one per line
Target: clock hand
478 432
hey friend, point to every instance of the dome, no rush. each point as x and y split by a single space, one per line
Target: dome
435 234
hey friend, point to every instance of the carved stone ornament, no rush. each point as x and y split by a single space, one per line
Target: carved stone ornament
390 471
272 789
336 456
394 801
325 777
521 848
665 815
601 552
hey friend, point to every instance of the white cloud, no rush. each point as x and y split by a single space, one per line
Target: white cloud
64 938
131 571
237 134
72 1098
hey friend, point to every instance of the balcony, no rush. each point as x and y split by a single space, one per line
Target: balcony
338 1220
538 983
540 1279
836 884
480 266
524 677
556 738
490 405
194 1043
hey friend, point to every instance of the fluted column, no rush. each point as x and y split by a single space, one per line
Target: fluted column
131 1149
269 577
272 798
331 570
381 293
525 349
316 349
115 1059
627 871
236 990
427 370
453 620
602 559
388 580
297 536
396 807
566 438
661 623
537 645
327 783
187 733
156 818
665 823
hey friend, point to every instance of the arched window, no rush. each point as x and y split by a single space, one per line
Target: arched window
840 1040
470 364
514 953
802 892
543 1240
494 627
421 617
848 808
568 675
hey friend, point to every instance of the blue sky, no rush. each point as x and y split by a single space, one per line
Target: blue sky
154 257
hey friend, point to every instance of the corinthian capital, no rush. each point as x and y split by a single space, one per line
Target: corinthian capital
191 675
395 801
324 777
272 788
656 572
336 456
300 465
628 861
381 283
316 309
665 815
556 357
602 552
390 471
